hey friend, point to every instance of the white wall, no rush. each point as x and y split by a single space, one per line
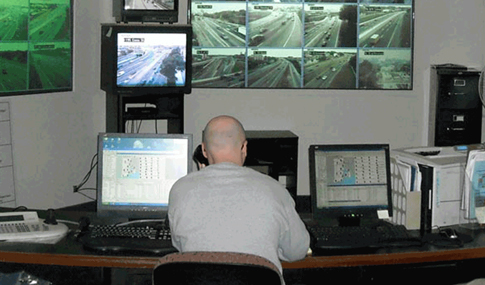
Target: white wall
54 135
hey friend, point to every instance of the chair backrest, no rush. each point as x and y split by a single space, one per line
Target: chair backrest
216 268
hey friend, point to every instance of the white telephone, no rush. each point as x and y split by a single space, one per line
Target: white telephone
27 227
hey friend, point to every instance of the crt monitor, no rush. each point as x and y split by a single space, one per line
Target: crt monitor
136 172
146 59
161 11
350 183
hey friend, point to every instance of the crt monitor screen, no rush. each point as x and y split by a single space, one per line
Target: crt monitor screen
146 59
151 59
149 5
350 180
137 171
161 11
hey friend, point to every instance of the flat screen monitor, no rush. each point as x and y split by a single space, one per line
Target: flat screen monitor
307 44
146 59
136 172
36 47
149 11
350 182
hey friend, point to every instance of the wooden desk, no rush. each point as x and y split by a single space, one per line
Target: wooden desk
29 254
387 258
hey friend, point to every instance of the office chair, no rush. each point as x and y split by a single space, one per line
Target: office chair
215 268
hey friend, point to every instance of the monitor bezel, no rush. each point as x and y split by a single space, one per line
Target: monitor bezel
109 59
357 212
133 212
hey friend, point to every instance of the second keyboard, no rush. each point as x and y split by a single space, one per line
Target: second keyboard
361 237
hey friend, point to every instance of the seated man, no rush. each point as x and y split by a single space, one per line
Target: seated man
228 207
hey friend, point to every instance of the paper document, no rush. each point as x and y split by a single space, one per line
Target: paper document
409 171
474 188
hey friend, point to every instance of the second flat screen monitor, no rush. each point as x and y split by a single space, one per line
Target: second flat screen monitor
303 44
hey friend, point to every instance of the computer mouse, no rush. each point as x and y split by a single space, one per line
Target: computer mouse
84 223
449 233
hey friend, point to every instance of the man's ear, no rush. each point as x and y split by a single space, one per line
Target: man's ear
204 151
244 149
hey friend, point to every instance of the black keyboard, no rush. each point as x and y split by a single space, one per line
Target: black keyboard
384 235
342 237
133 239
393 234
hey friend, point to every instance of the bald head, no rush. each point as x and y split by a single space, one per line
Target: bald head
224 140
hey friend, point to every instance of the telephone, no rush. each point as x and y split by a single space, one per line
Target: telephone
27 227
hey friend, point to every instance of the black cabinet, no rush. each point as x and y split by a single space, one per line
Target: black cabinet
274 153
455 115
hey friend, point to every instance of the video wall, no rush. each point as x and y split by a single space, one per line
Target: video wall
35 46
303 44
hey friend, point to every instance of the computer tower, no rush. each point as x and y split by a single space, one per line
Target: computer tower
455 111
274 153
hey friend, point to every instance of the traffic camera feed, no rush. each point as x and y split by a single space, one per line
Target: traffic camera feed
151 59
149 4
357 44
35 47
